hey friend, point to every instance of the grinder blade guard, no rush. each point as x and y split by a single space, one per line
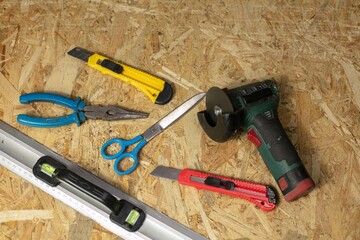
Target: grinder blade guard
253 108
226 108
219 118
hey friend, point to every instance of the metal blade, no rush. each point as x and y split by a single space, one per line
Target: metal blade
80 53
197 179
172 117
166 172
217 103
111 113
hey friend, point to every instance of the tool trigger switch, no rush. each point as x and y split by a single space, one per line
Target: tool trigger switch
253 137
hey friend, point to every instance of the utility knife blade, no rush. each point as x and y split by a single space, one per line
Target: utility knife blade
166 172
80 53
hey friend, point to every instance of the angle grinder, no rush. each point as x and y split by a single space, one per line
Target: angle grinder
253 108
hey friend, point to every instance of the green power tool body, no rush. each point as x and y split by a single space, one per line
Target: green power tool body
253 108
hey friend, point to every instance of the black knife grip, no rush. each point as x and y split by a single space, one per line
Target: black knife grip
112 66
217 182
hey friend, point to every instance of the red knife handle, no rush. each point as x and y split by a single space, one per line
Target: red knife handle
252 192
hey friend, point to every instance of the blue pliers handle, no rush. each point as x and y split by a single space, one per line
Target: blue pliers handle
76 117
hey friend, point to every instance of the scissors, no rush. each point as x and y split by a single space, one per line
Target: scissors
141 140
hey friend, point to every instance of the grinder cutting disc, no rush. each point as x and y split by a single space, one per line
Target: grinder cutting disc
218 118
217 102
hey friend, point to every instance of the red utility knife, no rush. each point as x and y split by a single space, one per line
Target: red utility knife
260 195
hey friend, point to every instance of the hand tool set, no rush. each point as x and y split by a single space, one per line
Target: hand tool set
251 108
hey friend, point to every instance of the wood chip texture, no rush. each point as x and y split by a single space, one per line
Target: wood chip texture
310 48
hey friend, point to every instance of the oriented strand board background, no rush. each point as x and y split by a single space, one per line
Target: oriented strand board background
311 48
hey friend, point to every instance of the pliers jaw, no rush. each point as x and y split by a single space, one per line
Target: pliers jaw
111 113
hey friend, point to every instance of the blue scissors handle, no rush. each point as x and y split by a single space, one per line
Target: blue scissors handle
121 154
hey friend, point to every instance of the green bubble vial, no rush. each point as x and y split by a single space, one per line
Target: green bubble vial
132 217
48 169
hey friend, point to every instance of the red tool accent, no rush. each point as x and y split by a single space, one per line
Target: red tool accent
252 192
253 137
282 183
301 189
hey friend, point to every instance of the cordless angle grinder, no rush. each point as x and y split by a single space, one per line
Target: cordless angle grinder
253 108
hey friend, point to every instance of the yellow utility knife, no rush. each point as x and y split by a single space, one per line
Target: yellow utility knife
159 91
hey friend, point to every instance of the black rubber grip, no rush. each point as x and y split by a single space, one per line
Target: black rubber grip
88 188
217 182
275 136
288 170
113 66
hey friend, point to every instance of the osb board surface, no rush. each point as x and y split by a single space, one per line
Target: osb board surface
310 48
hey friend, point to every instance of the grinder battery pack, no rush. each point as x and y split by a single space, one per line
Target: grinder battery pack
253 108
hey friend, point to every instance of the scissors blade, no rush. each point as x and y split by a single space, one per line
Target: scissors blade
172 117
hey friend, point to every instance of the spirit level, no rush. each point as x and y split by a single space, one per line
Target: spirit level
113 209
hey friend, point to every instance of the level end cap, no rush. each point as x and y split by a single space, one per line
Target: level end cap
165 95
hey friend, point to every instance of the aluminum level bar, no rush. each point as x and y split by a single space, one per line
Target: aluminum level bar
19 154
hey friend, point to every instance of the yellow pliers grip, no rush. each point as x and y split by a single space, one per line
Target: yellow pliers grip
159 91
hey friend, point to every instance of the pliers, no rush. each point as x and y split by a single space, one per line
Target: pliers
81 111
